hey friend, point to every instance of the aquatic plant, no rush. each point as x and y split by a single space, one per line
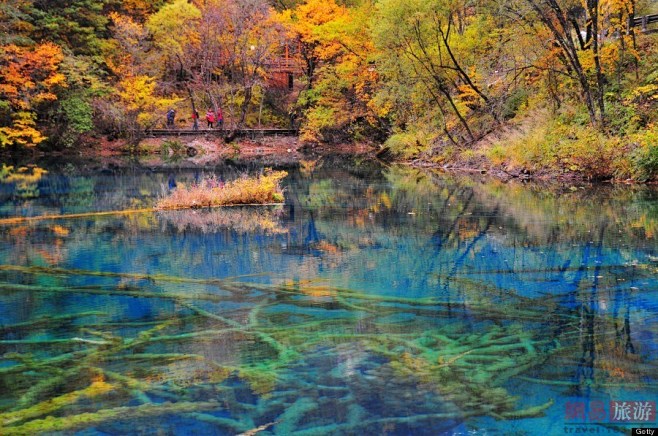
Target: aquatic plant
211 191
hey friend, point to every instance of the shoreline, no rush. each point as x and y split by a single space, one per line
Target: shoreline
289 151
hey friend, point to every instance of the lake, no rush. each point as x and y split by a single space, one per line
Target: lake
376 300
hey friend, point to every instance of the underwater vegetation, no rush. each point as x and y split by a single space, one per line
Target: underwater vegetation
288 349
406 306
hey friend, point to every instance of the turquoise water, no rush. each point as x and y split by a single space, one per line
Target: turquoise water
375 301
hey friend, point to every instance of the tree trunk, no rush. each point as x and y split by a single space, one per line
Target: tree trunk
600 78
245 105
556 21
462 120
445 36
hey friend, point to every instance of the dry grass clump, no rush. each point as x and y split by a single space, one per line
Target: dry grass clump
211 191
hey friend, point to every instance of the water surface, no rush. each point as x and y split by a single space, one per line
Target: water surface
375 301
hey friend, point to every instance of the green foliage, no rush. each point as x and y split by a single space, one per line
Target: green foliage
85 75
622 120
172 147
78 114
79 25
15 23
318 120
513 103
75 117
408 144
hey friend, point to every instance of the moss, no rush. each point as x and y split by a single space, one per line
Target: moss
72 422
97 388
289 420
463 366
262 380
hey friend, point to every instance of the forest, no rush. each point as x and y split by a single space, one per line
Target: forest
526 86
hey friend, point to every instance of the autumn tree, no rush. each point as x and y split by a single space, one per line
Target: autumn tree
306 25
142 102
227 68
337 51
175 32
430 43
137 59
213 51
139 10
29 79
583 33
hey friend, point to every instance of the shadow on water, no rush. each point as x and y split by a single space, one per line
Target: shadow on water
376 300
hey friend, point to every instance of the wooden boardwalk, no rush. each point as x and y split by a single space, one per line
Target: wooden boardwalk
222 132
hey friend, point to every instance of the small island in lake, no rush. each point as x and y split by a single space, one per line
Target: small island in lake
213 192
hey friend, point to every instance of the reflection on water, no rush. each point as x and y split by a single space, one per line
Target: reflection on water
376 301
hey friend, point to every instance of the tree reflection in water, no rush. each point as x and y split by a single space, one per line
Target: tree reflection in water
375 300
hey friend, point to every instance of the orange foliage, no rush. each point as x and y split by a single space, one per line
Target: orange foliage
28 78
60 231
305 23
128 35
139 9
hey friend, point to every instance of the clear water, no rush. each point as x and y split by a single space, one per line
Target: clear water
375 301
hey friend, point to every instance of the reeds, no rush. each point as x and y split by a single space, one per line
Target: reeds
212 192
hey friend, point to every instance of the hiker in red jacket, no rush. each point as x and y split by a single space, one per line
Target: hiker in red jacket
210 118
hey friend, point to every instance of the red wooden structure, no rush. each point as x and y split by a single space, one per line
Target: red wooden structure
284 70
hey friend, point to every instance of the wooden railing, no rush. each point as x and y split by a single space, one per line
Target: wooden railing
222 132
285 65
643 22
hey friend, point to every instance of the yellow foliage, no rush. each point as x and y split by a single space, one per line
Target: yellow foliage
22 131
174 26
60 231
646 92
260 190
385 200
138 94
308 23
467 95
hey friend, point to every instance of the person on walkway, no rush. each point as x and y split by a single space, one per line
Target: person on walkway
195 120
210 118
171 116
220 119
